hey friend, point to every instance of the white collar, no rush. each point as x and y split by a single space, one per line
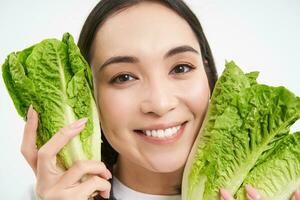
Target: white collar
122 192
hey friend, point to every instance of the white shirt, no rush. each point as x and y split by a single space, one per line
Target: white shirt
122 192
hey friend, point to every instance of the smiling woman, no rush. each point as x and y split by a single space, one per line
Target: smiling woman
153 76
152 91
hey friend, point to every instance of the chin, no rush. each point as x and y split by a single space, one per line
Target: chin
167 165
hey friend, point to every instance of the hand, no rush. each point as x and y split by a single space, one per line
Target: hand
252 194
53 183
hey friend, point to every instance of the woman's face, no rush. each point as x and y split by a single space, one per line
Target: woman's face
149 75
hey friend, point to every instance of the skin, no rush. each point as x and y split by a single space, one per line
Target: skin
153 93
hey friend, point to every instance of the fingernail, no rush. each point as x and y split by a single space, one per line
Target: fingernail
252 192
225 195
109 174
79 123
30 112
297 195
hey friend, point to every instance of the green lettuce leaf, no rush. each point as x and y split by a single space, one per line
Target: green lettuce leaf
244 120
277 176
54 77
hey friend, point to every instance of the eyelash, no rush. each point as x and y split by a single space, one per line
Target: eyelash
114 79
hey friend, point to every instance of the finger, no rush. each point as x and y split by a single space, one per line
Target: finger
28 146
94 184
297 195
49 150
225 195
81 168
252 194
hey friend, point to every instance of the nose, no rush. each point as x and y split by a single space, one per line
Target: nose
159 98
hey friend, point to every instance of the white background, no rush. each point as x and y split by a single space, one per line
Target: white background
260 35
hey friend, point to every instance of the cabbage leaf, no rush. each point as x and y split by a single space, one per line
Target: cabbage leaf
55 78
244 123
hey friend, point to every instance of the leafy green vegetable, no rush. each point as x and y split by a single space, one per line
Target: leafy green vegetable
55 78
244 125
277 176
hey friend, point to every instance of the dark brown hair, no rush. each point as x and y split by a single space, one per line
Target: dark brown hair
106 8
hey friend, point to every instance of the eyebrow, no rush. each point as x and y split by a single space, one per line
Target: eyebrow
132 59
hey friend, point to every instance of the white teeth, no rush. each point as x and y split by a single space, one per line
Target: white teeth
162 133
168 132
148 133
154 133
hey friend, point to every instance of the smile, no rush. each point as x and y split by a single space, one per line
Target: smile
162 136
162 133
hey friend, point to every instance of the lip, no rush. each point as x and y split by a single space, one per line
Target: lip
166 140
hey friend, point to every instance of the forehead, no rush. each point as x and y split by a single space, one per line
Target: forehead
147 27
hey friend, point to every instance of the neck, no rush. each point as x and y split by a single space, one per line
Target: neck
143 180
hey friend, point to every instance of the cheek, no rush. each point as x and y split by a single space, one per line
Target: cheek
199 99
115 107
115 115
196 100
197 96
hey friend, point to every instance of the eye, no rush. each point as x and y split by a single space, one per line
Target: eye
121 78
182 68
